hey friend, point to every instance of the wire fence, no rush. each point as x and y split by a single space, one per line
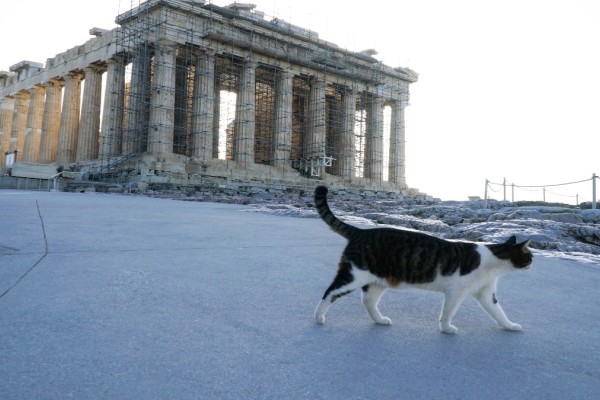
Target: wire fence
575 192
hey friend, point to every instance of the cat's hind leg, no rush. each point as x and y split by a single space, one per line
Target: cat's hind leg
452 301
487 299
343 284
370 297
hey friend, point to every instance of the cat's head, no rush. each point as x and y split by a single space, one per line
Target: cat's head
518 254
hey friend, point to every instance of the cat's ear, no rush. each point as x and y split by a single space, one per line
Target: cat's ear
512 240
524 246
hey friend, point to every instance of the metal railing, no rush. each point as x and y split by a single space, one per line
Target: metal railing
490 186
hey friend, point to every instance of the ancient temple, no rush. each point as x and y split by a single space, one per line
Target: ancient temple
187 92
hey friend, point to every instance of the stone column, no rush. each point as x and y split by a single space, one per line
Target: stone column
203 107
243 147
347 144
216 122
282 129
7 106
89 125
51 122
162 101
112 115
33 131
314 141
19 124
397 146
135 136
69 119
374 140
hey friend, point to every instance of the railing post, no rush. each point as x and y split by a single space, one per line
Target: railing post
544 194
594 191
485 195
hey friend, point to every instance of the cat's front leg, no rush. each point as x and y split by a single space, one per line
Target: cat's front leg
487 299
322 310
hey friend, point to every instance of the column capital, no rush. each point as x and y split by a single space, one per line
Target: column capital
348 90
36 89
22 95
392 103
94 68
121 59
53 82
397 103
250 63
204 55
165 46
113 61
57 82
209 52
316 79
285 72
73 76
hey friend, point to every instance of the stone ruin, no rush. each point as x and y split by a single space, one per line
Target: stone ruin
187 93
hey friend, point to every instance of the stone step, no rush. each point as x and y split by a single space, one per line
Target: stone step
31 170
92 186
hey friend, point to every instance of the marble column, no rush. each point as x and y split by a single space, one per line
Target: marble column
282 128
216 122
397 146
182 110
243 147
112 114
347 144
89 124
135 136
33 130
19 124
51 122
314 141
69 120
203 107
7 106
374 140
162 101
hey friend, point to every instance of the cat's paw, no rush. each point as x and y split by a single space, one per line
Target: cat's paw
384 321
320 319
512 327
450 329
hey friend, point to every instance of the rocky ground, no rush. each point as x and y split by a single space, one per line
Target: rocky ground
570 232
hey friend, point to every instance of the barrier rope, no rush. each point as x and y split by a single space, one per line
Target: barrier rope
538 188
542 186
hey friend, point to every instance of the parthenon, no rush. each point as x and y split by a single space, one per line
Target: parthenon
184 90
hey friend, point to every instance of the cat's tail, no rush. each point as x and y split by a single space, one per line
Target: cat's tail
337 225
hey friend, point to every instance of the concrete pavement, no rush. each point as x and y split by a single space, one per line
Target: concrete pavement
127 297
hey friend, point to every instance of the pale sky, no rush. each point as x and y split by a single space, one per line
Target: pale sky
507 89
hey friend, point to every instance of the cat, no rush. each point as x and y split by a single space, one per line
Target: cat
379 258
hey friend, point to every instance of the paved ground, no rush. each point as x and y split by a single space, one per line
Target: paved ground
122 297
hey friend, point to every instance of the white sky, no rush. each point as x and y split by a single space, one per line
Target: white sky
506 88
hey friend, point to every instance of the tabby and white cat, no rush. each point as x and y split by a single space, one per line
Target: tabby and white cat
380 258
